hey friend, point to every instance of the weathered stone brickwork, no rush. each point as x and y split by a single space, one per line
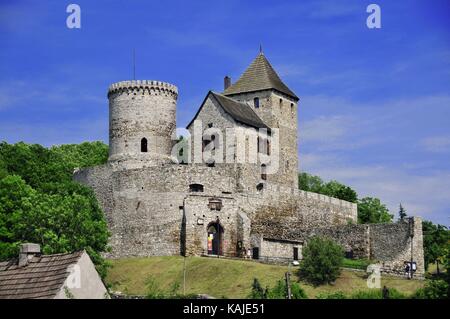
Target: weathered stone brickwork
388 244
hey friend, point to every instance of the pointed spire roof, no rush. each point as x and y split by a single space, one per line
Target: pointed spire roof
259 76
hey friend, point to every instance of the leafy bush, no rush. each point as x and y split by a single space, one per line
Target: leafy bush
367 294
331 295
322 259
377 294
257 291
434 289
277 292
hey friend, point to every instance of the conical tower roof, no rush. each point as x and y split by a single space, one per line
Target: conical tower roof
259 76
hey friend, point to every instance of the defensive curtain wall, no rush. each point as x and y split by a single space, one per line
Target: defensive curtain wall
389 245
160 210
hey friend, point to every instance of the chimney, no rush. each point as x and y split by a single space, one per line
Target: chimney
226 82
27 251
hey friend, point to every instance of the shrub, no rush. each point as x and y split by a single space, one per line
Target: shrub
377 294
257 291
367 294
331 295
280 291
322 259
434 289
277 292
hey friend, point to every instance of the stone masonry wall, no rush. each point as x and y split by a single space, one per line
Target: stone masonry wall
389 244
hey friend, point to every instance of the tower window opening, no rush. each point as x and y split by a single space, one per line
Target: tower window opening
264 172
281 103
256 102
292 107
144 146
196 188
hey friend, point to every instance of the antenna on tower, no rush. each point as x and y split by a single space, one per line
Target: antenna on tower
134 64
260 48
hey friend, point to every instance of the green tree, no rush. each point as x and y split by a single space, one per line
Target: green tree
402 212
341 191
40 203
372 211
333 188
310 183
435 243
322 259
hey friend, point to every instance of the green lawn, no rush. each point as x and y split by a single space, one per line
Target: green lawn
225 277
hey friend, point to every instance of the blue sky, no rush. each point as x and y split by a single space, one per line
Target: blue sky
374 103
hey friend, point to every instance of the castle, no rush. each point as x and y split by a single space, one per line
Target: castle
230 186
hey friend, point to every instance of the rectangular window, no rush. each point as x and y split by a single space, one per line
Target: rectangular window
295 253
256 102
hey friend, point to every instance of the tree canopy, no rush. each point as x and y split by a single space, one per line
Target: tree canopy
372 211
40 203
333 188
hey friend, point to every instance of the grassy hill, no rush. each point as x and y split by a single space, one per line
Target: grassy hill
224 277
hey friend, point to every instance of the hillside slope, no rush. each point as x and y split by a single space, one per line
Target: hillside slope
224 277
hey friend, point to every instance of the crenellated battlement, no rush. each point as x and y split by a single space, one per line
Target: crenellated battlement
143 87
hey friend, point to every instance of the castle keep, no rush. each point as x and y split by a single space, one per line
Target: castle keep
230 186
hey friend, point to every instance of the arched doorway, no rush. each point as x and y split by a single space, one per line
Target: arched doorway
215 239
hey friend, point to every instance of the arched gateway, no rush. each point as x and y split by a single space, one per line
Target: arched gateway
215 239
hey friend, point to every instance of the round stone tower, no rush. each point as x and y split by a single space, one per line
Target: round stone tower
142 119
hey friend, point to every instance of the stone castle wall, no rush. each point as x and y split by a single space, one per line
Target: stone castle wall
145 207
388 245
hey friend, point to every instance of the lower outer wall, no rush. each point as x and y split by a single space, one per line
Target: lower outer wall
389 245
150 212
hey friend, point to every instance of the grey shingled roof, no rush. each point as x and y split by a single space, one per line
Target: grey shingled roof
42 277
260 75
239 111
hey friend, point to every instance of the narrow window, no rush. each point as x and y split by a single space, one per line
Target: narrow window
256 102
210 125
292 107
144 148
263 172
281 103
268 147
257 146
260 187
